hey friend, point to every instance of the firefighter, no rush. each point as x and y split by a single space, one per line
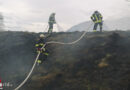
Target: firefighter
51 22
43 52
98 20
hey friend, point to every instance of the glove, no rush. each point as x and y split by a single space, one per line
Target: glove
39 49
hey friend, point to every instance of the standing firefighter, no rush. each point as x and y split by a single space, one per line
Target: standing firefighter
43 52
51 22
97 19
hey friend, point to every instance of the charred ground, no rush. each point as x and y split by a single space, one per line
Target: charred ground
100 61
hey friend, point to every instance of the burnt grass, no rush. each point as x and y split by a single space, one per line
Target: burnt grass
100 61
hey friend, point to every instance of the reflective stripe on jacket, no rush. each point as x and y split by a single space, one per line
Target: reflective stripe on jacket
96 17
40 43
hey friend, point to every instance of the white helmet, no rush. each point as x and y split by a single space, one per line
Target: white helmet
42 35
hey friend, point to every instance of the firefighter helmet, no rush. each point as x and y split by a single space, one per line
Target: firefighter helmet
96 11
42 35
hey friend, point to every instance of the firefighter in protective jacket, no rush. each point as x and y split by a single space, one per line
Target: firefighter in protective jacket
98 20
43 52
51 22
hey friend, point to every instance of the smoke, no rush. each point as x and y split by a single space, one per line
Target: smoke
17 56
1 22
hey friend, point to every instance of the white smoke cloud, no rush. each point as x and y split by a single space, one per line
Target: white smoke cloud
33 14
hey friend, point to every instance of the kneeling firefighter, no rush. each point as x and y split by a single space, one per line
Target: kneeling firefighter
43 52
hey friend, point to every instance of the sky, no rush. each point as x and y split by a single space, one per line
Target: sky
32 15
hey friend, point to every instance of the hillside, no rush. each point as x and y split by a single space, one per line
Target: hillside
108 25
84 26
120 24
100 61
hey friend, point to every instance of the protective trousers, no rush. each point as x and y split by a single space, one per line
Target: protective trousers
96 25
43 56
50 28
